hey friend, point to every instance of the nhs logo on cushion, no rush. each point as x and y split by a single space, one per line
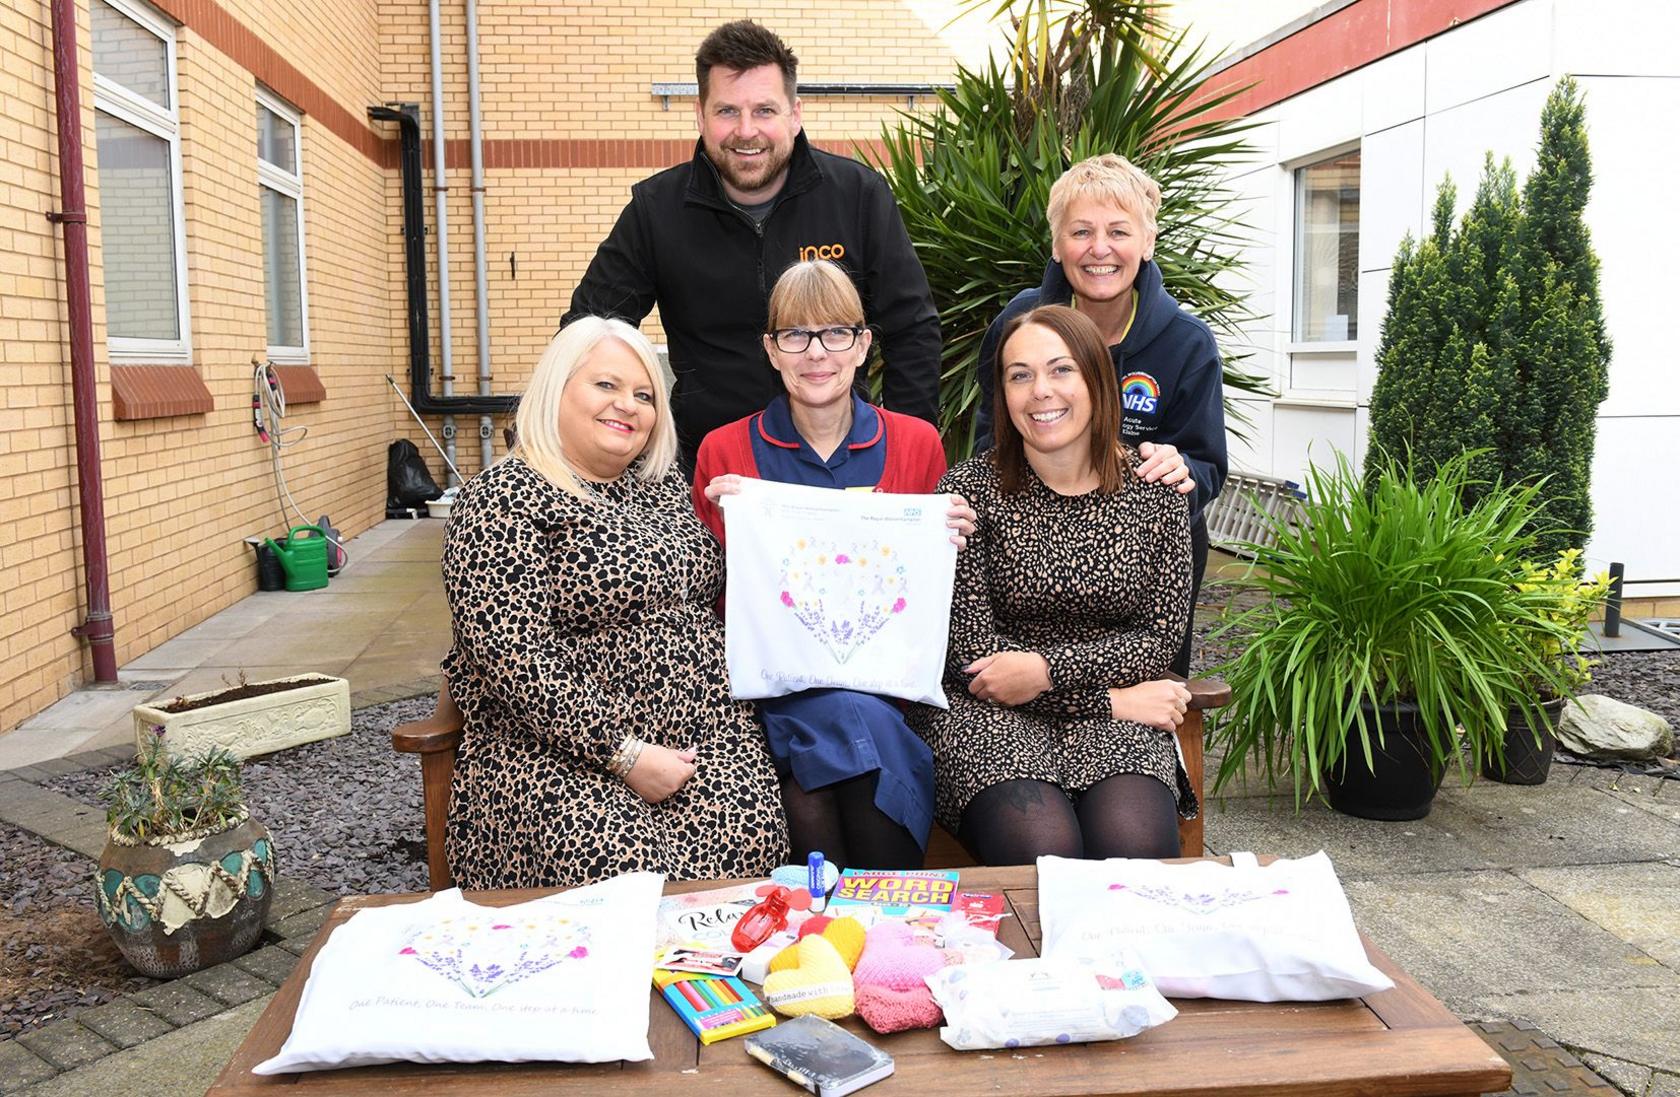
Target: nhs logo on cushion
1139 392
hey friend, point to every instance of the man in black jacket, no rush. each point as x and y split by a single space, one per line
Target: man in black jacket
706 241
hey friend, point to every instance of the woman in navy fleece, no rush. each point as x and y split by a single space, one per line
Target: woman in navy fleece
1102 243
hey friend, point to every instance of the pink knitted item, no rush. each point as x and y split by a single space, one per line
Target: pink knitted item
891 990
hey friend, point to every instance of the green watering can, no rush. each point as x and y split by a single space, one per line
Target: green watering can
304 559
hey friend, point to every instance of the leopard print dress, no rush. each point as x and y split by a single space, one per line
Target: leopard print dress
1097 584
578 622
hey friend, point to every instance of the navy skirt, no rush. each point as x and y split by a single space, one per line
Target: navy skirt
824 736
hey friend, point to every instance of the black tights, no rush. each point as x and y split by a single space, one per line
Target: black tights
1016 822
843 821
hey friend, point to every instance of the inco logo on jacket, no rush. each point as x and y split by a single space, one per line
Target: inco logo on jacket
822 251
1140 392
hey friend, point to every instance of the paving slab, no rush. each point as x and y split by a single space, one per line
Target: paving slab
1638 903
1470 935
271 963
1531 826
1632 1079
291 896
177 1003
1360 848
1630 1024
20 1067
125 1023
1664 1085
180 1064
1663 807
228 984
303 925
66 1044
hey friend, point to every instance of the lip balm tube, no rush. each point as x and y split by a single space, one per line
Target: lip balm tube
819 887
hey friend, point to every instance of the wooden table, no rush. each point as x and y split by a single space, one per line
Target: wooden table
1400 1043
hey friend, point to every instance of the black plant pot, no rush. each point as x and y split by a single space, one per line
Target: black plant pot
1528 758
1403 776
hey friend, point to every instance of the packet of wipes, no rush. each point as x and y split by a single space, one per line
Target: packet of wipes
1025 1003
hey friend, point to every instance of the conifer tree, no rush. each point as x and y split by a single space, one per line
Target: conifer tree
1494 336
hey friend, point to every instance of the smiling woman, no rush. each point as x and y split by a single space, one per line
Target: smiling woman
599 736
1069 603
856 781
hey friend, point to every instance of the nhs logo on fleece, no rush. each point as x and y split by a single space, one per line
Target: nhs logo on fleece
1139 392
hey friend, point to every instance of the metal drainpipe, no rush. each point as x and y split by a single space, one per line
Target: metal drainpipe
97 629
440 189
480 272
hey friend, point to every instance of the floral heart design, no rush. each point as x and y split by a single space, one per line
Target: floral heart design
892 992
820 984
842 594
482 953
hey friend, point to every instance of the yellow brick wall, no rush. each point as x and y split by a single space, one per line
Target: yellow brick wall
182 493
583 71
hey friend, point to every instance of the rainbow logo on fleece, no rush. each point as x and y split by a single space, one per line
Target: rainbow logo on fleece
1139 392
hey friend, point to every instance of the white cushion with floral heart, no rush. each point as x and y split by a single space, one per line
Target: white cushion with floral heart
840 589
448 981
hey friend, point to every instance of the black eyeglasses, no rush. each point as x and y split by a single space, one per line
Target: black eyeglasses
795 340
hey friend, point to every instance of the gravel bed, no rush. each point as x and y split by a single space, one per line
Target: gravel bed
55 957
345 813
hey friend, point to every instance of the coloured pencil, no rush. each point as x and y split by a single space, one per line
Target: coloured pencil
713 1008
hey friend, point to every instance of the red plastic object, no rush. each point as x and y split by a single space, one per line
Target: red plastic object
757 924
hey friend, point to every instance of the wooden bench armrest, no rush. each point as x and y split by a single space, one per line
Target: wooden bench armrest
435 739
1206 693
425 737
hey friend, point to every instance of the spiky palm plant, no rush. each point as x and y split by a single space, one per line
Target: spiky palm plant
973 178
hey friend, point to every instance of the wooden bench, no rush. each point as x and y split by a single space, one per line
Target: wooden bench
437 738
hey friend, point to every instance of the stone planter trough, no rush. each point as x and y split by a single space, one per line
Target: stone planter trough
248 726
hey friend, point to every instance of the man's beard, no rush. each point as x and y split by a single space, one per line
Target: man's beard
765 168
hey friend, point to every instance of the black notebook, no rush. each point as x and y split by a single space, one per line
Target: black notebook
819 1055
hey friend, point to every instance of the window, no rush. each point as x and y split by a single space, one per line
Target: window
1327 250
137 129
280 185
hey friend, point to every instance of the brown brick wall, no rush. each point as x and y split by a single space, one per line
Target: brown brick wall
566 92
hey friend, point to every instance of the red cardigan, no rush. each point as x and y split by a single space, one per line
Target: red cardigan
915 460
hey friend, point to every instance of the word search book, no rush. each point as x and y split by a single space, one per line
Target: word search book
713 1009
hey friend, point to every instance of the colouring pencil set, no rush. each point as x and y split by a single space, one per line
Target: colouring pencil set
713 1008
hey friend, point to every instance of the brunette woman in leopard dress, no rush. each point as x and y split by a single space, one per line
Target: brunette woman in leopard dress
1069 605
588 664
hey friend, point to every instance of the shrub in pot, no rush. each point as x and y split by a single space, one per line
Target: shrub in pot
1568 600
187 876
1381 654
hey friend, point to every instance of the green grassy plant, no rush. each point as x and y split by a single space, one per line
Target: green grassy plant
1403 592
160 795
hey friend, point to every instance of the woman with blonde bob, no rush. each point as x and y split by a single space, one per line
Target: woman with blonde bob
857 783
1102 214
587 662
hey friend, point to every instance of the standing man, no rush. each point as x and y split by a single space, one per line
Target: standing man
706 241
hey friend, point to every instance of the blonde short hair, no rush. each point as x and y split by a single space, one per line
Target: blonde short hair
814 292
1109 178
537 422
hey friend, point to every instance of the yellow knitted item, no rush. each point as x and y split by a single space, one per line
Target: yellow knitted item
820 984
845 934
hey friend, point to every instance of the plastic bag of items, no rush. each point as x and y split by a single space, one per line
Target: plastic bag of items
1029 1003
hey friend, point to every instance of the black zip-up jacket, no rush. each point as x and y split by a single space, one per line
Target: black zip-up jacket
682 245
1171 378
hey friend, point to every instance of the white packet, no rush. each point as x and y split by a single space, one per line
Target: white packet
1026 1003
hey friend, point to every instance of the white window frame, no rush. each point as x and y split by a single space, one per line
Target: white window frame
138 111
1340 353
290 185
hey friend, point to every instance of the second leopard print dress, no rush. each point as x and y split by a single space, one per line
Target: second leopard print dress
578 622
1097 584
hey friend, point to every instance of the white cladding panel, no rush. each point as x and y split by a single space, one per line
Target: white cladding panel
1483 85
1500 50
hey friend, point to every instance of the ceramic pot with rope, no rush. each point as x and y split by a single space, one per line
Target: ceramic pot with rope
183 902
